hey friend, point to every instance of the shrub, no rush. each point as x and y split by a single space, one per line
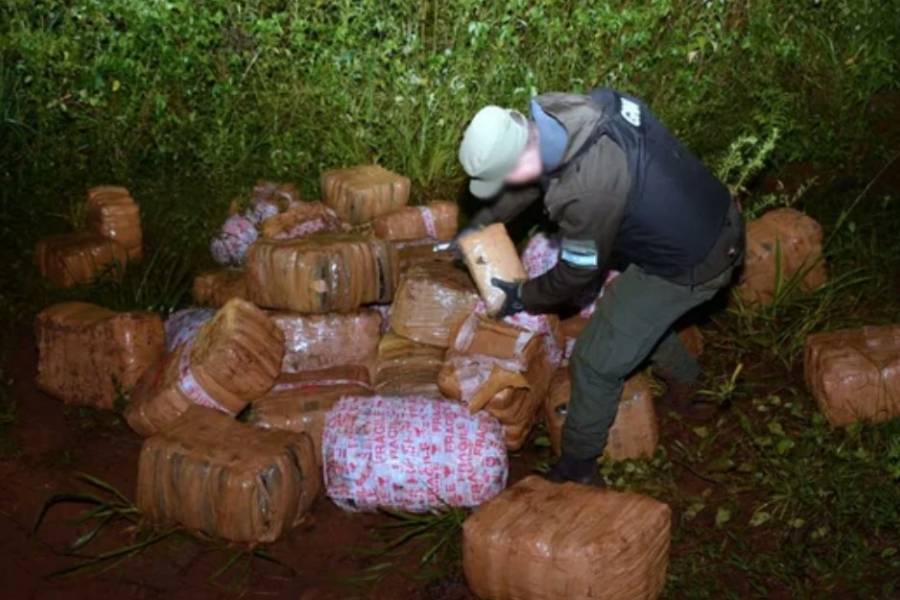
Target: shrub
289 87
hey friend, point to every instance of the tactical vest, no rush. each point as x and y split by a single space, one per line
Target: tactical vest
680 221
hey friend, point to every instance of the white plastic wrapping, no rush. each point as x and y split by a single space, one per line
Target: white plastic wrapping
411 453
182 326
230 245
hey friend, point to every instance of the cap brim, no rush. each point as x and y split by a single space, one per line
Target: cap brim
484 189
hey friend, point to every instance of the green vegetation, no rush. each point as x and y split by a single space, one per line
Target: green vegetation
187 103
107 509
113 88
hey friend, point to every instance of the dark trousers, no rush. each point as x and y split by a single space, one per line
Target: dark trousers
633 321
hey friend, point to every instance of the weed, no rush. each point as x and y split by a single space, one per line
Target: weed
437 535
724 390
109 507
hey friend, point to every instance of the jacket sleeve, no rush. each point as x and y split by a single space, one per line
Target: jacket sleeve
588 231
510 205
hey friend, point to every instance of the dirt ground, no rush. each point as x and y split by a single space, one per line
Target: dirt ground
49 443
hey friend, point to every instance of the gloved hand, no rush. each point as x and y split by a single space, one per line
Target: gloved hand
513 302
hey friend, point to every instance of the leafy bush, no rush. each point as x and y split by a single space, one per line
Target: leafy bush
288 87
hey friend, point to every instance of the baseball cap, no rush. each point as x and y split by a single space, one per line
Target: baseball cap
491 147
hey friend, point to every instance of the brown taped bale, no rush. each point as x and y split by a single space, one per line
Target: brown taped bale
799 239
635 431
321 273
417 252
480 335
88 354
543 541
302 219
78 258
435 221
854 374
113 213
432 300
490 253
225 479
512 391
215 288
299 402
234 359
314 342
360 194
282 195
406 367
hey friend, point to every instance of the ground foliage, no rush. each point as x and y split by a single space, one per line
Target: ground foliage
290 87
188 102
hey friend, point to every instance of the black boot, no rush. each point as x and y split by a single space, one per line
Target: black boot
568 468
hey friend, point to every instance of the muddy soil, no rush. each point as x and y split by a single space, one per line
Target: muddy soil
48 444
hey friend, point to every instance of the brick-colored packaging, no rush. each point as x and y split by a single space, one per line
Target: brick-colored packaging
321 273
363 193
73 259
90 355
854 374
544 541
793 236
234 359
221 478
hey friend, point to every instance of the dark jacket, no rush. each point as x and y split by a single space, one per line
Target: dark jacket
627 191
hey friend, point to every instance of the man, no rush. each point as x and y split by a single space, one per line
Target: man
625 192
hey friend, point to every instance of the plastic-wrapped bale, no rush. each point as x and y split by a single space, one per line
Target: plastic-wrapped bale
418 252
854 374
799 239
479 335
182 326
282 196
113 213
490 253
299 401
509 390
267 199
542 327
313 342
78 258
230 245
322 273
234 359
363 193
434 221
543 541
411 453
301 220
407 367
88 354
432 300
215 288
634 433
226 479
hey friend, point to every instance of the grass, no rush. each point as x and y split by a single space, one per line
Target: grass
435 537
107 508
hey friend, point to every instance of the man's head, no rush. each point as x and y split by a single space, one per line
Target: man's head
499 146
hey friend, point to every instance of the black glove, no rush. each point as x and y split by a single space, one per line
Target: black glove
513 303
